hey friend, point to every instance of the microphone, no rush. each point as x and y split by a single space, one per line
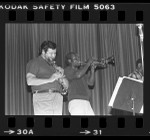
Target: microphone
140 31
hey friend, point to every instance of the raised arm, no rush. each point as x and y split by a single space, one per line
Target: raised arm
84 69
91 76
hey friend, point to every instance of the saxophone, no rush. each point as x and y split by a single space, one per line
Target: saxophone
60 80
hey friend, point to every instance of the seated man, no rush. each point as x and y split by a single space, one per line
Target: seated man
139 72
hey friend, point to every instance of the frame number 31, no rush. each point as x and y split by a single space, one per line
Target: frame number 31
97 132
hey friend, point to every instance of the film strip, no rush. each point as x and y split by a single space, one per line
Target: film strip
17 22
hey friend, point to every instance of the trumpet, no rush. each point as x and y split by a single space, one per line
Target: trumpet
102 63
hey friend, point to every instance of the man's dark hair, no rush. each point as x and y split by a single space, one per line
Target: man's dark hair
46 45
139 61
69 57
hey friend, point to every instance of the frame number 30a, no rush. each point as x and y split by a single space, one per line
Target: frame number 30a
24 132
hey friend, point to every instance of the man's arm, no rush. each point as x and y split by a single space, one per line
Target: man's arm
64 81
91 78
34 81
132 75
83 70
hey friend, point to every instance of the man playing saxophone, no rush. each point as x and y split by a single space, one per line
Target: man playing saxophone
46 80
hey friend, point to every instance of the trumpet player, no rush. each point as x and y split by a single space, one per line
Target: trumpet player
44 80
80 79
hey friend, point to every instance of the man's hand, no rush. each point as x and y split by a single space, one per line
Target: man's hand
61 70
64 82
93 66
90 61
56 76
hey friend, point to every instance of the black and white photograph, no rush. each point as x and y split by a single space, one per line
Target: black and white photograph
74 69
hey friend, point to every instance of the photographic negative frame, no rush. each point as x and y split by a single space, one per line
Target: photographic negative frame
102 29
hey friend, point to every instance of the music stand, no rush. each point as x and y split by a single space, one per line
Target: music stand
128 95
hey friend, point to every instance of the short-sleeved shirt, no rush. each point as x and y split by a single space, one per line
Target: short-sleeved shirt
137 75
78 87
42 70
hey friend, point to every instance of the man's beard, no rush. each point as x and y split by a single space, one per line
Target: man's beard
49 59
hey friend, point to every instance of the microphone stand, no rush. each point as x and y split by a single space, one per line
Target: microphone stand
133 107
141 42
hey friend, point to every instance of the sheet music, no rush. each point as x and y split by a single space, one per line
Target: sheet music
140 81
118 84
